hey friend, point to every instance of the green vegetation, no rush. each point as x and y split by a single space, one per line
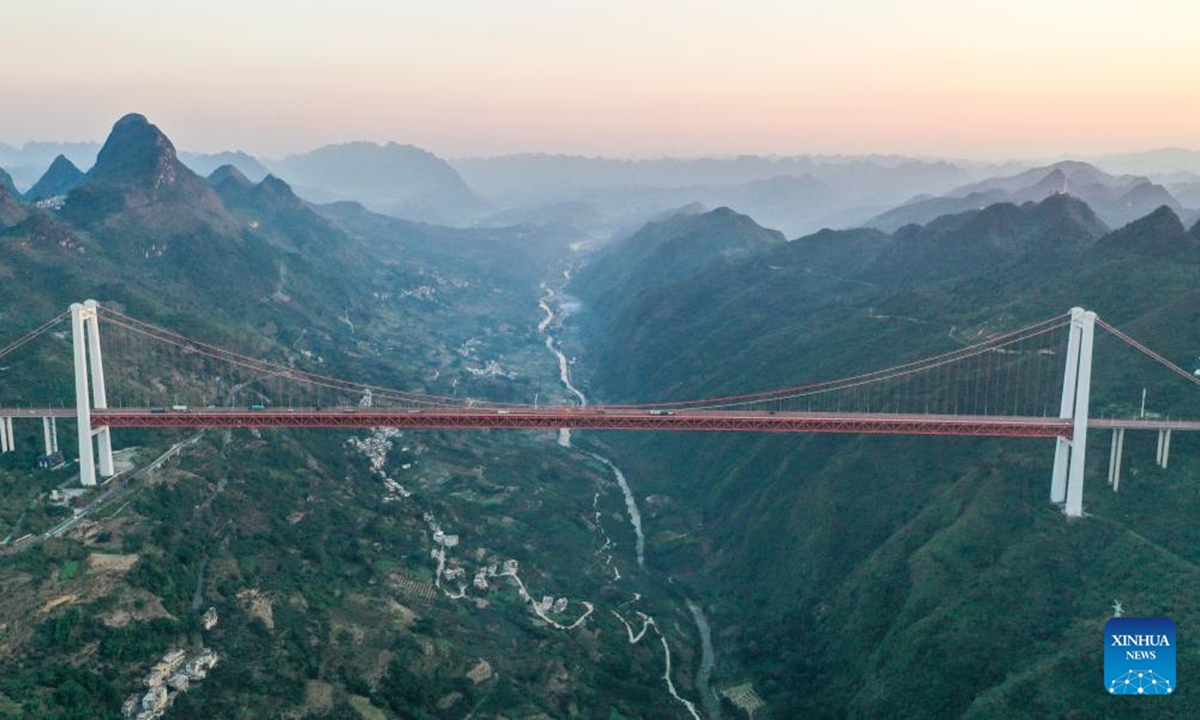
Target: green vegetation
69 568
911 577
848 564
323 585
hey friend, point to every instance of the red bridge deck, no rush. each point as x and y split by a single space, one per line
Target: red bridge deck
592 419
600 419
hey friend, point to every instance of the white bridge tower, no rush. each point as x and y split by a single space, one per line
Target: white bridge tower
85 338
1066 484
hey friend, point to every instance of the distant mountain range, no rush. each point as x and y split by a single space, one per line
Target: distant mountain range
525 179
207 163
30 161
1000 240
226 237
605 197
399 180
1152 163
793 194
1115 199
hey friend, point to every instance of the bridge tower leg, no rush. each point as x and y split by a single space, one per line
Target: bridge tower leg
83 401
1062 450
99 396
1083 390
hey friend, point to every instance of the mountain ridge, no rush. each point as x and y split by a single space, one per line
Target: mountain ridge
11 211
400 180
60 179
1117 200
895 558
668 251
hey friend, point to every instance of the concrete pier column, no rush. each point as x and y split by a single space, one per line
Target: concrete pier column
1112 457
53 434
1116 468
1158 453
1166 451
4 435
46 435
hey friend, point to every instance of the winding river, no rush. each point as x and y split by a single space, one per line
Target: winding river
703 675
564 434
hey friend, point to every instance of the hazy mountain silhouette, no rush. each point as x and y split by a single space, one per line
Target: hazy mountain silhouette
795 194
1115 199
399 180
30 161
61 178
1151 162
228 174
206 163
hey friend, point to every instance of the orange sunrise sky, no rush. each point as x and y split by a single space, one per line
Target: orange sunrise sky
1021 78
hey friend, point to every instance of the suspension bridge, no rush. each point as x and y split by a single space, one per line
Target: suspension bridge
1033 382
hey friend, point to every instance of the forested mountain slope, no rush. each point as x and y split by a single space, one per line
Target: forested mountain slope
908 577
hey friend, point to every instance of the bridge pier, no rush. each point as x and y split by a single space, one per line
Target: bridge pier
1114 458
50 434
1164 448
5 446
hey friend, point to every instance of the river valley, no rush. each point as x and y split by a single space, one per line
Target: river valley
557 307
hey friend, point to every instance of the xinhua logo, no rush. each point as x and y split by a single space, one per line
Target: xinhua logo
1139 656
